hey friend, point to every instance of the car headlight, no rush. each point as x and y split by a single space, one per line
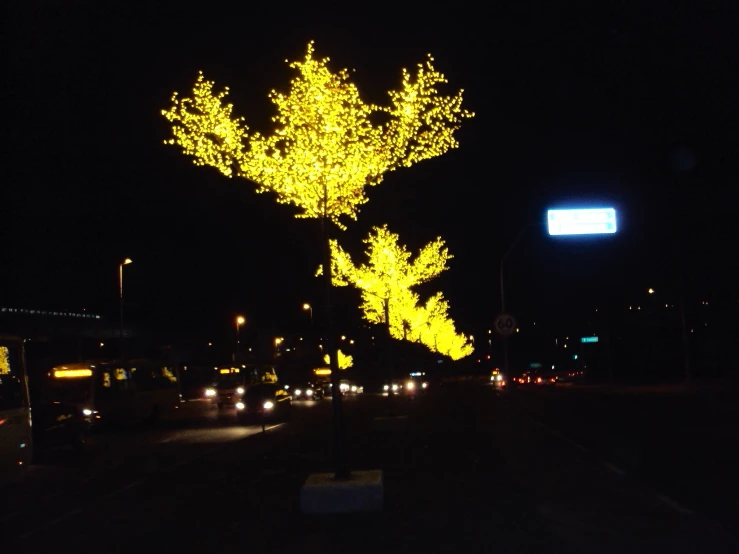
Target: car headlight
210 392
87 412
268 405
425 385
240 406
386 387
498 377
240 390
395 387
410 385
308 392
298 392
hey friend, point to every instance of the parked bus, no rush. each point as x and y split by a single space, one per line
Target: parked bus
116 392
16 443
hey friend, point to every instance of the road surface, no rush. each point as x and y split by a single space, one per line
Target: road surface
465 469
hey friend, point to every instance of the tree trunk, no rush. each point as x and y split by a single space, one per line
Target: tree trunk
342 471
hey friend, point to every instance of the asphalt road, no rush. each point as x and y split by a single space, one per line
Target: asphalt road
680 443
465 469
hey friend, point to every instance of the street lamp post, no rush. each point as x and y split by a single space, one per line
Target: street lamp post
120 299
309 308
239 322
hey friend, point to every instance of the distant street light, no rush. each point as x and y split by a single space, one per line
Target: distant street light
278 342
240 320
651 291
120 296
309 308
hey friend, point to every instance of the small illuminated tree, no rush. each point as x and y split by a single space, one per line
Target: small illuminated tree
326 147
345 360
386 282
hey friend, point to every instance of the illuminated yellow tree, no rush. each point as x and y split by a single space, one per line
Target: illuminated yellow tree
386 282
328 144
326 148
345 360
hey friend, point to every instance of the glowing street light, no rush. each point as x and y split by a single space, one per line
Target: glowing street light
307 307
240 320
651 291
127 261
278 342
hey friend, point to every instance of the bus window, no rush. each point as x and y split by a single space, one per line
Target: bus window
11 381
123 378
169 375
143 377
4 360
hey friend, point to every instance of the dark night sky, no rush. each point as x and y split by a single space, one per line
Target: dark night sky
572 105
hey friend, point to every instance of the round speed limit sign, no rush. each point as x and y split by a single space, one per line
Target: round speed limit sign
505 325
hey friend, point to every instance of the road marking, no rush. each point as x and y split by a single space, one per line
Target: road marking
663 498
125 488
557 434
674 505
99 474
51 523
192 459
613 468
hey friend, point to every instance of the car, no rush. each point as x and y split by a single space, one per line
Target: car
534 378
392 387
409 387
307 391
350 388
261 403
497 379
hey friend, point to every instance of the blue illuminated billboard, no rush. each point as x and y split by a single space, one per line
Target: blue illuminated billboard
588 221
